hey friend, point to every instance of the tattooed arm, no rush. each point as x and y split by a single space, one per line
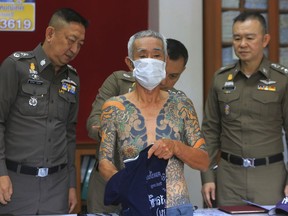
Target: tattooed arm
108 142
107 169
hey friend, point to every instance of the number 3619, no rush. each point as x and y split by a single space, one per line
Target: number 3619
11 24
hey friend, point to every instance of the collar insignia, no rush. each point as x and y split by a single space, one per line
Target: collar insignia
42 62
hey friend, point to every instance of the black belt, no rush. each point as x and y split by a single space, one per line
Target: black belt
36 171
251 162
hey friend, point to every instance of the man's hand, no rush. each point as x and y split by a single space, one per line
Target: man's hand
162 148
6 189
72 199
208 193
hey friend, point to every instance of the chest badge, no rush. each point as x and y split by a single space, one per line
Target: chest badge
33 101
68 85
229 85
226 109
33 74
267 85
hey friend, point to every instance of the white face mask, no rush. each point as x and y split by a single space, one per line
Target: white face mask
149 72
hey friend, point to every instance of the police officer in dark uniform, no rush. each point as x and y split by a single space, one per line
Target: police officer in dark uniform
118 83
245 112
38 114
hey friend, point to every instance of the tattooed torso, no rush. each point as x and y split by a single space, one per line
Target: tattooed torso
124 132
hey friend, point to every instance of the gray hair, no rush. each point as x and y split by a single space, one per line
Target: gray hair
142 34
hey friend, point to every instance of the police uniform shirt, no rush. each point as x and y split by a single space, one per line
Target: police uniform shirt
245 115
118 83
38 112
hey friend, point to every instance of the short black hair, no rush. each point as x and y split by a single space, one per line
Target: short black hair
176 50
68 15
252 15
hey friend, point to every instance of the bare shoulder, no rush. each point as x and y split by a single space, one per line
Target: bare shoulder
116 102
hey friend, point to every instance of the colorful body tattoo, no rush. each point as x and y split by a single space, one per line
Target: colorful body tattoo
124 133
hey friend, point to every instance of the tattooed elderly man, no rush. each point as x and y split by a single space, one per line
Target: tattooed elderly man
148 115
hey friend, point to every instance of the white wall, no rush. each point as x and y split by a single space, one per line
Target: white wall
182 20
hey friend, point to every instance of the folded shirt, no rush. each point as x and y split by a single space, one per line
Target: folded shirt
140 187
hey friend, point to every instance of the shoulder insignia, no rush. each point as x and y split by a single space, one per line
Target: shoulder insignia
20 55
175 91
225 68
124 75
72 68
279 68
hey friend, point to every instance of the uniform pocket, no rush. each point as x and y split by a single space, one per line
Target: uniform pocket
32 100
229 105
267 104
66 100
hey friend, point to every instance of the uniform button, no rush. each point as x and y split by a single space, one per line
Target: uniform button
52 101
49 140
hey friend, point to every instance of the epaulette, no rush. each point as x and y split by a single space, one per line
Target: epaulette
279 68
124 75
72 68
177 92
20 55
225 68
